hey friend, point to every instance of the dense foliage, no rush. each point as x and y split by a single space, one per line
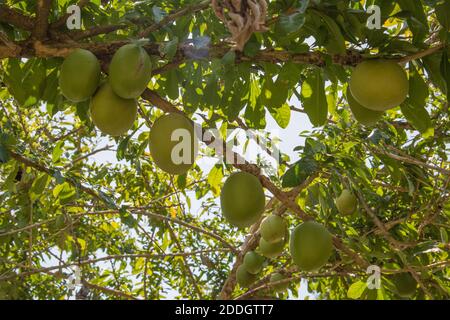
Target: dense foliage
74 226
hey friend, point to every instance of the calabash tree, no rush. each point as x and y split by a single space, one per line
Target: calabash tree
72 225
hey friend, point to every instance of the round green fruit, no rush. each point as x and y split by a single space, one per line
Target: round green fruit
173 143
253 262
130 71
379 85
242 199
363 115
79 75
243 277
405 283
112 114
273 229
346 203
275 277
271 250
311 246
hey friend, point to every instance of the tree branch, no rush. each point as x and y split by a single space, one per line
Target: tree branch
15 18
42 14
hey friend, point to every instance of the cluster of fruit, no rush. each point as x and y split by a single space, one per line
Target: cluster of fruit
113 102
243 202
310 244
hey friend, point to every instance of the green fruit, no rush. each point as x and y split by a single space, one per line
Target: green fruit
273 229
379 85
242 199
405 283
275 277
271 250
130 71
346 203
79 75
363 115
112 114
253 262
243 277
311 246
173 143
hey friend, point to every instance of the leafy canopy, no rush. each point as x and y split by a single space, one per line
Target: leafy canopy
135 232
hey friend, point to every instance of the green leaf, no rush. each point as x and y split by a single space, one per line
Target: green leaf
299 172
356 290
57 151
273 95
336 41
291 23
169 49
445 71
282 115
444 235
443 14
4 154
433 66
418 89
65 193
39 185
255 113
313 98
418 117
215 177
229 58
417 20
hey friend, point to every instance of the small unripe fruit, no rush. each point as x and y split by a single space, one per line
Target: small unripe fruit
275 277
405 283
112 114
346 203
253 262
273 229
311 246
379 85
271 250
243 277
130 71
242 199
79 76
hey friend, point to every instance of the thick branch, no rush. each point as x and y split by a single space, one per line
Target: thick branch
15 18
42 14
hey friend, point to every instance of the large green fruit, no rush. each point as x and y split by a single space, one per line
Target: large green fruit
242 199
79 75
275 277
243 277
273 229
346 203
271 250
363 115
130 71
253 262
405 283
173 143
112 114
379 84
311 246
